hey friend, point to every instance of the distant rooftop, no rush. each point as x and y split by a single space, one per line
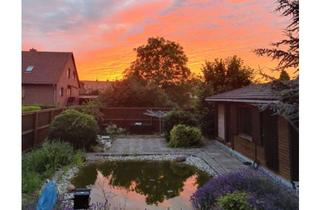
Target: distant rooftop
255 93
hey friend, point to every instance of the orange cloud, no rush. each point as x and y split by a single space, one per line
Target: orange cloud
102 35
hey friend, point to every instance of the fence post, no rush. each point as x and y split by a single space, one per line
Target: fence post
50 116
35 130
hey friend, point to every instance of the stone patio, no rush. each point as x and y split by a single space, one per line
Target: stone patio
211 152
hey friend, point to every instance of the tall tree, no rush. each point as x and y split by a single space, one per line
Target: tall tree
288 105
133 92
163 63
223 75
219 76
286 50
160 61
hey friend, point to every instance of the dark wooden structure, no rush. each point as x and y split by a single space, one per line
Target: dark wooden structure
133 119
261 136
35 126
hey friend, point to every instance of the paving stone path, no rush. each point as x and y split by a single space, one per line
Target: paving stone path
211 152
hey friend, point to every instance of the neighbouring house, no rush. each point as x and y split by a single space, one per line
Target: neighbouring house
88 87
261 136
49 78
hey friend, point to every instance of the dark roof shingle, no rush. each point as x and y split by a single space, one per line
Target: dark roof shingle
47 66
252 93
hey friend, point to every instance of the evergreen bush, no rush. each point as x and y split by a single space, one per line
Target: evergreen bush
184 136
177 117
78 129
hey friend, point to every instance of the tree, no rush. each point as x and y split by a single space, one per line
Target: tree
288 105
214 74
284 76
223 75
163 63
219 76
286 50
132 92
160 61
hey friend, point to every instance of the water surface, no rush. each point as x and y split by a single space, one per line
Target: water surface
139 185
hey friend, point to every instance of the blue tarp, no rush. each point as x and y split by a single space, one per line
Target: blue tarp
48 197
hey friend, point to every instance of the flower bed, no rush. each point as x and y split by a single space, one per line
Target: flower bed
262 192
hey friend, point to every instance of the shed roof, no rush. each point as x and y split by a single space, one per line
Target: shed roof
46 68
255 93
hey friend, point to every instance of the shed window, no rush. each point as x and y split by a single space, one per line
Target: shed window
69 73
61 91
245 121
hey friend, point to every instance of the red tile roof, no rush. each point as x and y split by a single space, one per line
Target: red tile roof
47 66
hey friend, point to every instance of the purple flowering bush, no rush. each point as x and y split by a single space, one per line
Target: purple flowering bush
262 192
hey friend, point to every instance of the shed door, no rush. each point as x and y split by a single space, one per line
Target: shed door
221 121
270 139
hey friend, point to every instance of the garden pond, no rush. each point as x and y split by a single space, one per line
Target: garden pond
137 185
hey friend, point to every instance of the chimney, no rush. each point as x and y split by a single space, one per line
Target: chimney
33 50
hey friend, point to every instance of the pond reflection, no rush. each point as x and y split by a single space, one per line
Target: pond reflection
142 183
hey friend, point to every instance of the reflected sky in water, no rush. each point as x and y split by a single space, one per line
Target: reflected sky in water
141 184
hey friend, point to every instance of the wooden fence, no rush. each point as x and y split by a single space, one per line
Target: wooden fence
133 119
35 125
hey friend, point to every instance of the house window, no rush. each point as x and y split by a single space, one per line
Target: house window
61 91
69 73
69 91
29 69
245 121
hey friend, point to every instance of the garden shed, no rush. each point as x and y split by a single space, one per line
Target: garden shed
261 136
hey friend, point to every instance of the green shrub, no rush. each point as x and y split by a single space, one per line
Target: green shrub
177 117
234 201
41 163
31 181
93 107
114 130
30 108
74 127
184 136
78 158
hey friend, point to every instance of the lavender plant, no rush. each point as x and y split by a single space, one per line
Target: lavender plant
262 192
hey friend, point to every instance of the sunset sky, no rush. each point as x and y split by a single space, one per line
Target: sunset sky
103 33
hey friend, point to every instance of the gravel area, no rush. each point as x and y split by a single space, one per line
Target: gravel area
190 160
63 179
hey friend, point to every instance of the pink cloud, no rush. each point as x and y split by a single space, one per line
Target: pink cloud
102 34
